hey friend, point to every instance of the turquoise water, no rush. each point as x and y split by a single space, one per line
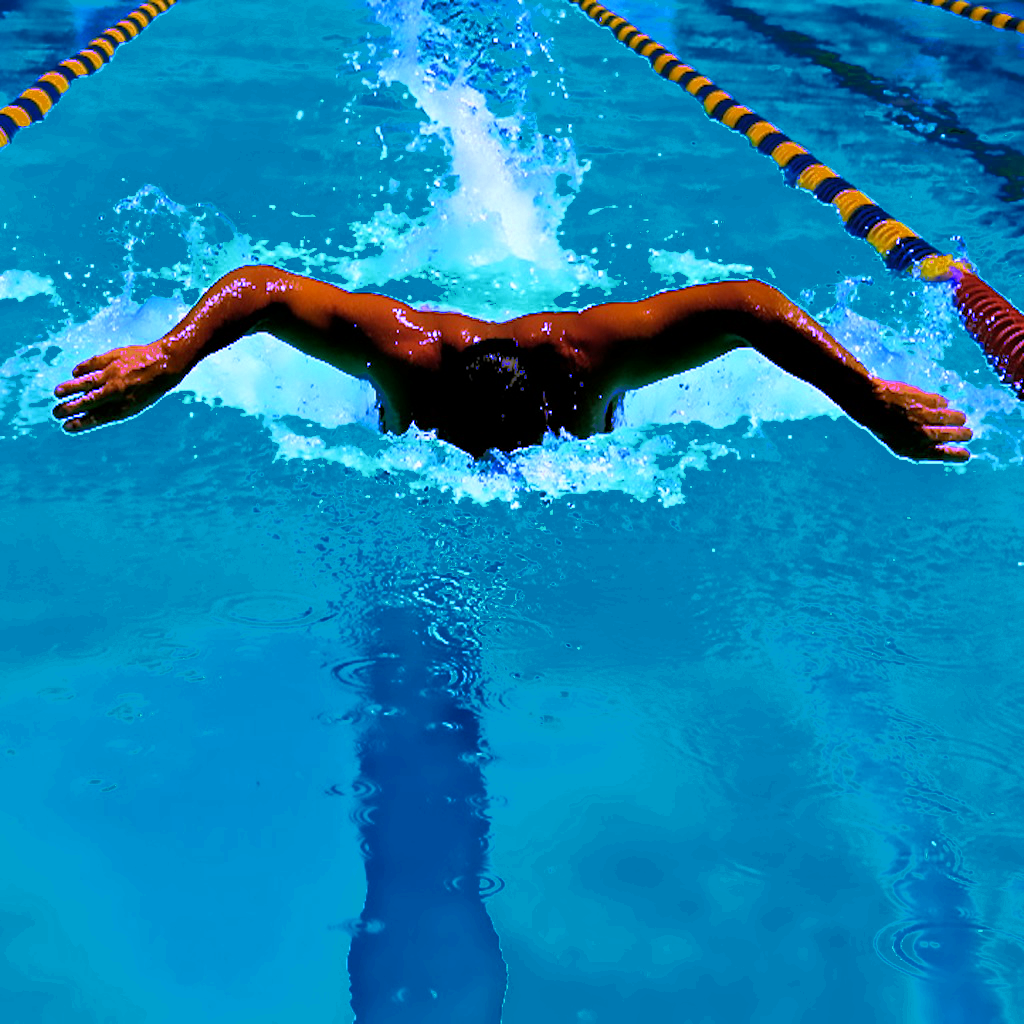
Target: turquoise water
724 704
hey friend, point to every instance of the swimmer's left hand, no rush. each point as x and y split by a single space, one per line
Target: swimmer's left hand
116 385
914 423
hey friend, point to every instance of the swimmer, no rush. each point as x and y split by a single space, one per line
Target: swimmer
483 385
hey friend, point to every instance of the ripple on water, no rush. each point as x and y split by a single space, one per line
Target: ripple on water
356 926
56 693
368 713
933 950
485 883
456 675
271 609
159 654
960 776
1001 713
363 788
481 804
362 814
79 647
513 631
356 672
128 707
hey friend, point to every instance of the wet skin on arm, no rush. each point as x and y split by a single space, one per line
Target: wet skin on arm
585 361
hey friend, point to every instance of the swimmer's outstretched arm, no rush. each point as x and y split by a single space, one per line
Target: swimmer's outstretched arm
637 343
368 336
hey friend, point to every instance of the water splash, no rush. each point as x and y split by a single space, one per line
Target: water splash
489 235
671 266
645 463
487 239
744 385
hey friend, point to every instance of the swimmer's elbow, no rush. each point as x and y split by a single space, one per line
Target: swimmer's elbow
765 301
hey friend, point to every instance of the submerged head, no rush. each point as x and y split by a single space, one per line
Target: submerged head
494 396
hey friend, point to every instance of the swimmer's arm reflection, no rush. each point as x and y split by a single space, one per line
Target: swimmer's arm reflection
607 349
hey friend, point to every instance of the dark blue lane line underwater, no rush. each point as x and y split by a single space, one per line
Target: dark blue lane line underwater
425 950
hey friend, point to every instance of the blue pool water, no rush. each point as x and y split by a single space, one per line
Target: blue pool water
712 719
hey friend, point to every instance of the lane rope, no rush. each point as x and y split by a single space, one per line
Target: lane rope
935 121
988 317
975 12
39 99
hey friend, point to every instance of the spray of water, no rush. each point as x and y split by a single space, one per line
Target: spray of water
487 239
489 235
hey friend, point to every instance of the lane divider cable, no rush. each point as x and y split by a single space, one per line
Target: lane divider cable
39 99
975 12
988 317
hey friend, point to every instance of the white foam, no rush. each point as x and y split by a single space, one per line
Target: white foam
23 284
645 463
740 384
264 377
27 378
692 269
491 230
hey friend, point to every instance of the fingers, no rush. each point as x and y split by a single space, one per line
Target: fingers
105 392
944 453
97 409
87 375
83 383
97 397
950 453
936 444
98 417
930 400
932 408
943 435
946 416
99 362
913 398
940 424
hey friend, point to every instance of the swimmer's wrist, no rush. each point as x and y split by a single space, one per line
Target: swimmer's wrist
177 353
860 396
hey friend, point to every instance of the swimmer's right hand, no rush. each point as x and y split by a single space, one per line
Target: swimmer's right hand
116 385
914 423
